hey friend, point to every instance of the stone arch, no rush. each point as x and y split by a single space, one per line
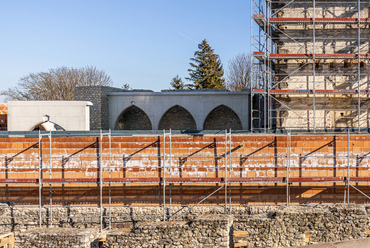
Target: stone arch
222 117
133 118
177 118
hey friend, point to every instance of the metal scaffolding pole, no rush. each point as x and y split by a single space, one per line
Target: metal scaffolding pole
101 179
164 174
288 170
348 154
252 73
110 197
50 186
40 179
170 156
225 172
314 66
359 63
265 75
229 171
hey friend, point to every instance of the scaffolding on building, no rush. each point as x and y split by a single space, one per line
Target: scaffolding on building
297 47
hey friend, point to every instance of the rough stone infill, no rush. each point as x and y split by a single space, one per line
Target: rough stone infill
58 237
266 226
285 227
205 231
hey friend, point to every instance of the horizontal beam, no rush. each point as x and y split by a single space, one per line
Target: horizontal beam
132 180
319 91
317 179
311 91
255 179
184 180
317 55
319 20
195 179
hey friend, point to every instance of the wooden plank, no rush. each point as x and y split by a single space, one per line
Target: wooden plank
242 244
6 241
307 237
240 233
5 235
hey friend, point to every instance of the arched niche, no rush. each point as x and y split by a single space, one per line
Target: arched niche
222 117
133 118
177 118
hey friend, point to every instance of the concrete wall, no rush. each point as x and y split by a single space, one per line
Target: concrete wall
198 103
70 115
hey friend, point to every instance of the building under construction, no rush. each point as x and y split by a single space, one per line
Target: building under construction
311 64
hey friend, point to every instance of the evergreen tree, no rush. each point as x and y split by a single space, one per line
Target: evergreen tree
177 83
207 69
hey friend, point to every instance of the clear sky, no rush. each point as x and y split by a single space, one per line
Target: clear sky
144 43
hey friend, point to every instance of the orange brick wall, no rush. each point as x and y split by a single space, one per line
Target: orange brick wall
191 156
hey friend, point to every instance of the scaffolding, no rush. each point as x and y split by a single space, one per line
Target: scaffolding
310 64
289 171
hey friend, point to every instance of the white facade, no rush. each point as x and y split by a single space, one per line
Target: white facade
198 103
69 115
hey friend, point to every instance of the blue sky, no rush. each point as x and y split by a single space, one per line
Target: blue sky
144 43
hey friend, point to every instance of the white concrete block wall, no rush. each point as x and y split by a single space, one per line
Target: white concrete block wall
70 115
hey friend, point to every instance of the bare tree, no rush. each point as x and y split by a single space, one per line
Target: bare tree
239 72
56 84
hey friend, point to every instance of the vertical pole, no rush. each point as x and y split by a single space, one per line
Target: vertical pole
164 175
265 74
229 172
40 179
251 107
358 64
314 67
269 71
251 74
50 186
225 172
348 180
170 171
101 179
110 197
288 170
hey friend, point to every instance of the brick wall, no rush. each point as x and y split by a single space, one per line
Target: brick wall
192 157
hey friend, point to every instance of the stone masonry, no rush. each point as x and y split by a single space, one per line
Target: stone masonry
205 231
204 226
98 95
59 237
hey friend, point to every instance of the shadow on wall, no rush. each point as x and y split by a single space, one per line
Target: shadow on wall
133 118
222 117
177 118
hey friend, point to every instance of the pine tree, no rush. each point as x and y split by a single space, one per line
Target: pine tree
207 69
177 83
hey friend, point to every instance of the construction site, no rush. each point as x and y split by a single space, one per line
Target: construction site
299 176
109 180
311 61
